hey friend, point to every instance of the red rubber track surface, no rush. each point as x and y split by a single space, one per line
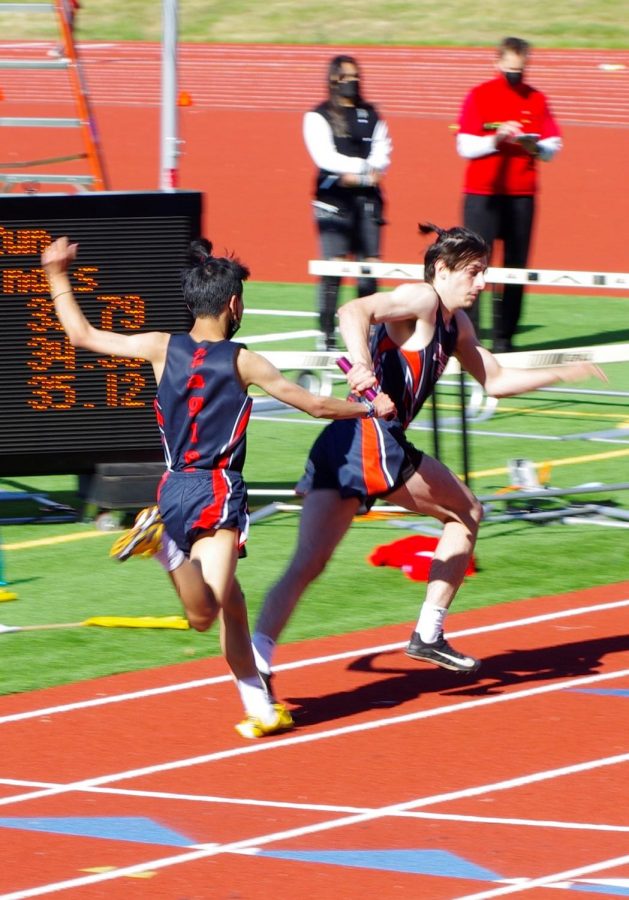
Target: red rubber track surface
243 146
520 770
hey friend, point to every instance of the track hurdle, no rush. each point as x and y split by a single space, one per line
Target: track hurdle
479 408
496 275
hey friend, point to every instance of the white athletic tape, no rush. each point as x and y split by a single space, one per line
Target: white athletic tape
412 272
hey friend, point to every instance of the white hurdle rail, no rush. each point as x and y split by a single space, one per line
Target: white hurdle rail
318 371
481 407
520 359
412 272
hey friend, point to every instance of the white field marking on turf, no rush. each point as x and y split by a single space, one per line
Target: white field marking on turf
344 821
293 313
323 807
553 880
278 336
303 663
261 417
513 435
428 427
292 741
418 426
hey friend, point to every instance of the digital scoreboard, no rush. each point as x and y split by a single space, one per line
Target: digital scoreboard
62 409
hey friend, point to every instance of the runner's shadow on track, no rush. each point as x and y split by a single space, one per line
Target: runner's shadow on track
382 694
522 667
405 681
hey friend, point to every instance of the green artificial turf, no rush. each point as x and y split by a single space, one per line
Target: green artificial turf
65 581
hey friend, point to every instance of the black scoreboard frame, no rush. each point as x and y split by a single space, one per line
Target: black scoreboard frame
64 410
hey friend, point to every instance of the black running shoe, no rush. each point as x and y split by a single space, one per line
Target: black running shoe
441 654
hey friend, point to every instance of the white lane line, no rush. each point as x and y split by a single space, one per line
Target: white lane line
344 821
519 823
309 738
548 880
303 663
283 313
278 336
327 807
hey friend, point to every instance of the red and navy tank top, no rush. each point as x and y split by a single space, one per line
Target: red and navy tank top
202 410
409 376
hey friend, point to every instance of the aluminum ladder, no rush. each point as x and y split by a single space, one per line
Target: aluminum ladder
28 173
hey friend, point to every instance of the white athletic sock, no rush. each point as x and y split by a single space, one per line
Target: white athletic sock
430 622
169 555
263 650
255 700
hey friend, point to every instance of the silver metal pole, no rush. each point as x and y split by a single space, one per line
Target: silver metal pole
169 139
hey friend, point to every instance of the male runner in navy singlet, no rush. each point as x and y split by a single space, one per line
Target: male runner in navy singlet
202 410
401 340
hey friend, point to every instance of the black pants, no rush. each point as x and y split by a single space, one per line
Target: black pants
509 219
351 229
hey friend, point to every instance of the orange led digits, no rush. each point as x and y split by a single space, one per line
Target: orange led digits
57 391
131 308
46 353
123 388
52 392
43 316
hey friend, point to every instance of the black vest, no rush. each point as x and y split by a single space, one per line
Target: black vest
360 123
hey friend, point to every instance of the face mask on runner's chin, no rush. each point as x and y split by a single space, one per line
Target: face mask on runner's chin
350 90
514 78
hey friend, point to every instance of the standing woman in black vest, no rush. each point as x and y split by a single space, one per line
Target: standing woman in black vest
350 145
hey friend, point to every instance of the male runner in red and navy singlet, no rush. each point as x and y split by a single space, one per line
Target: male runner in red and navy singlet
402 340
202 412
203 409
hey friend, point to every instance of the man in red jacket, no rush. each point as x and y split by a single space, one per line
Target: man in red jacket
505 126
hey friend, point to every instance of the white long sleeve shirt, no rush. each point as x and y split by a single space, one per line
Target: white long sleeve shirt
319 142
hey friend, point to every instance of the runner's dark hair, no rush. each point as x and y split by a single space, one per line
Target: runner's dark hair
209 282
456 247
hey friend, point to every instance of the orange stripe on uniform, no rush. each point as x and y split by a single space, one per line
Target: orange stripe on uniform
373 474
414 362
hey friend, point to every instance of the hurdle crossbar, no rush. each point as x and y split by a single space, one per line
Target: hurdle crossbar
547 493
413 272
533 359
300 360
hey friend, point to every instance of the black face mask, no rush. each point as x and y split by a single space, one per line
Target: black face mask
514 78
349 90
234 325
